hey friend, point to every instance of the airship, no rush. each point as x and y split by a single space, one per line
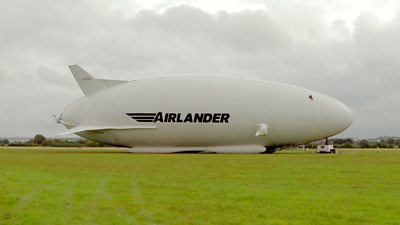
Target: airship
200 114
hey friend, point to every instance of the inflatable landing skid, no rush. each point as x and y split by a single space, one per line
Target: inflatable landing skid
270 150
211 149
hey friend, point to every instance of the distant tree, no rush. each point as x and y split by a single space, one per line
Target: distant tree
311 145
391 141
340 141
4 142
381 144
364 144
39 139
347 144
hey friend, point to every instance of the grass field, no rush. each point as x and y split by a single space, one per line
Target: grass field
92 186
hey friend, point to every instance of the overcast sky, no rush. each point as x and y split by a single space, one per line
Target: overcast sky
347 49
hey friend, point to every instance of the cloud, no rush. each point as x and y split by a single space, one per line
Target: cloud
3 77
54 77
290 42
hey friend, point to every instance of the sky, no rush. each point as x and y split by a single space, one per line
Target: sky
349 50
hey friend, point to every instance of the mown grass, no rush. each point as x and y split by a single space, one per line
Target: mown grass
91 186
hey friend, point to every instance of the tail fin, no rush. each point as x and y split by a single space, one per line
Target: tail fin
88 83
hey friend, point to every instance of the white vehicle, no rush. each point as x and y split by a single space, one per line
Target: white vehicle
216 114
327 147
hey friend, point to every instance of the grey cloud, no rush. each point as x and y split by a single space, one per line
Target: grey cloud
379 42
246 30
289 43
339 26
3 77
53 77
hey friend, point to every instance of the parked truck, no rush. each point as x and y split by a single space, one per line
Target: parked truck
327 147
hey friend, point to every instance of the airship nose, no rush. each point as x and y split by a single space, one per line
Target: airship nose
331 116
347 116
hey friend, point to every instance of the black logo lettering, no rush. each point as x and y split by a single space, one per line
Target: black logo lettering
207 117
171 117
216 118
178 119
198 118
158 117
161 117
225 118
188 118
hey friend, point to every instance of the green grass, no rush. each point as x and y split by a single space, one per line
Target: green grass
92 186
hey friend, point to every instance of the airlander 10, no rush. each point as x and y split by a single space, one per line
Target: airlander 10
198 113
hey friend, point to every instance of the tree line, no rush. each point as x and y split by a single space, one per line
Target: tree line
364 143
41 140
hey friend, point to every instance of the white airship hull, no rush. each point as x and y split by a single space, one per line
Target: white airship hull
173 114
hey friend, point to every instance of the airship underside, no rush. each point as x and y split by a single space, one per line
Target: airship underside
216 114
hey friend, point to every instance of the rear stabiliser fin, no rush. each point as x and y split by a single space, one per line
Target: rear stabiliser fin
78 129
90 84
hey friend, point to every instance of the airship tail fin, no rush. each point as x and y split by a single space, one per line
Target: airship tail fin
83 128
90 84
